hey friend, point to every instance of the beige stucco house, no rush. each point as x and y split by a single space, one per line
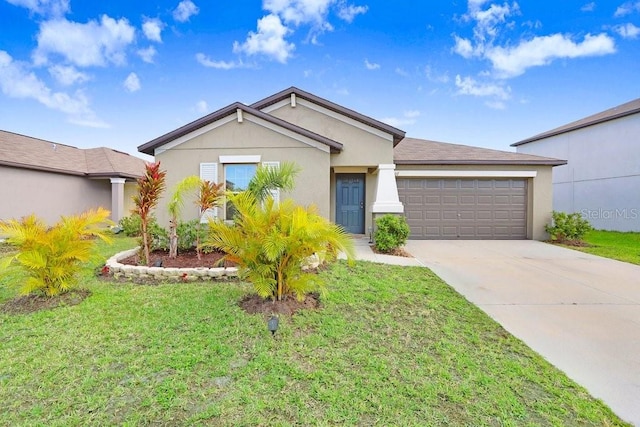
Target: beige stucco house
49 179
355 167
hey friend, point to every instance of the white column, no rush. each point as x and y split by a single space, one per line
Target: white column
117 198
387 200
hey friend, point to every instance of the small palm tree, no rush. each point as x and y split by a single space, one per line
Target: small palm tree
269 178
53 256
272 244
188 185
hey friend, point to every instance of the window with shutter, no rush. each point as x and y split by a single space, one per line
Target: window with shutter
209 172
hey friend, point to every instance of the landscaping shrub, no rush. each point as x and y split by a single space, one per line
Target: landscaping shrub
391 232
567 227
52 256
189 234
150 187
131 225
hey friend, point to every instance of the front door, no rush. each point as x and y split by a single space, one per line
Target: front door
350 202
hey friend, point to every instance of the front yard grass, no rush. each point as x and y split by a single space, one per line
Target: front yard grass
391 346
613 244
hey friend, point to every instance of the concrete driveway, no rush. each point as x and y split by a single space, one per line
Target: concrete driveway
580 312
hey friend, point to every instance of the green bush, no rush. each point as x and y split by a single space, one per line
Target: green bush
131 225
392 232
188 234
567 227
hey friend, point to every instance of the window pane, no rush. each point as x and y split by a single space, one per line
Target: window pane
238 176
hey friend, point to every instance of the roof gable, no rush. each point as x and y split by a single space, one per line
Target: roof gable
273 99
32 153
151 146
623 110
413 151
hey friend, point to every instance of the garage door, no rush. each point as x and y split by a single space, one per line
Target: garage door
465 208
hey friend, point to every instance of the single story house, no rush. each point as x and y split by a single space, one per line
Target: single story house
602 176
50 179
355 168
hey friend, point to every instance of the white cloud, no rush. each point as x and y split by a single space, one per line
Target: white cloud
514 61
132 83
152 29
627 8
589 7
627 31
269 40
463 47
371 65
53 8
469 86
68 75
202 107
408 118
16 81
348 12
401 72
185 10
91 44
221 65
434 77
147 54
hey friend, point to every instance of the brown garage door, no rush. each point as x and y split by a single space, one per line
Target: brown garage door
465 208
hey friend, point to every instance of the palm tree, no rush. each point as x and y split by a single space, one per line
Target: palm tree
269 178
175 205
272 243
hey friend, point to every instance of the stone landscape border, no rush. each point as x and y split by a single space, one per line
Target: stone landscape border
137 272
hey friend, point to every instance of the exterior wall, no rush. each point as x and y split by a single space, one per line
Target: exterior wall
49 195
363 145
539 191
602 177
130 189
248 138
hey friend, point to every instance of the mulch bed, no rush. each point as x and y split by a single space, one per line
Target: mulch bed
255 304
576 243
185 259
395 252
31 303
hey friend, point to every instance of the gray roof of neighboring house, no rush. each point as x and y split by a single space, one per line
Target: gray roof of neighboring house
32 153
397 133
413 151
149 147
627 109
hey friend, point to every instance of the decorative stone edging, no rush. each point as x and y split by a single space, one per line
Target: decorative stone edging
172 274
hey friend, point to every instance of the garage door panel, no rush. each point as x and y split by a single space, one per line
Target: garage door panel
465 208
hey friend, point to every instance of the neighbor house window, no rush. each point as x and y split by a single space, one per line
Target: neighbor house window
237 177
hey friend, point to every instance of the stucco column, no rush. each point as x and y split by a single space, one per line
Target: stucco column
117 198
387 200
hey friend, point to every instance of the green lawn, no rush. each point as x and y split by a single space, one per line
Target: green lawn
613 244
391 346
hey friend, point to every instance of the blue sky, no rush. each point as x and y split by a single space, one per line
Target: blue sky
485 73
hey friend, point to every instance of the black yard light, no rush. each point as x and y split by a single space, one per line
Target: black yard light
272 324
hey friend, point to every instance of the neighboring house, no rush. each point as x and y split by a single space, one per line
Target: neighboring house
349 166
50 179
602 178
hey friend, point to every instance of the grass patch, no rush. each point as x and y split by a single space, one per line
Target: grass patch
623 246
391 346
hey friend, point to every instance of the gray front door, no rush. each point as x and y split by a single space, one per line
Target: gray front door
350 202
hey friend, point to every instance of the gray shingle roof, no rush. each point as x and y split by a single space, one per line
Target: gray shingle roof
413 151
32 153
631 107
